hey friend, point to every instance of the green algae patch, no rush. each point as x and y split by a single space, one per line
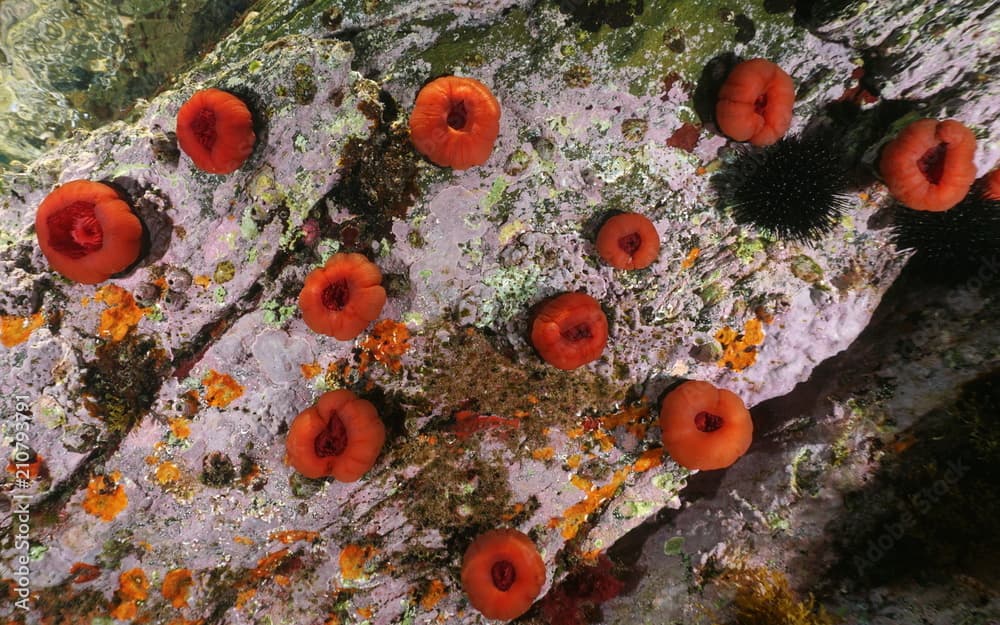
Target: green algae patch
677 37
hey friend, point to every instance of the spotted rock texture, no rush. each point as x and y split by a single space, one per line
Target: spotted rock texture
159 401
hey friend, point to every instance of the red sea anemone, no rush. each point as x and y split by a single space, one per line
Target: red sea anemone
755 103
502 574
342 297
455 122
628 241
929 166
570 330
705 427
991 185
341 436
87 232
215 129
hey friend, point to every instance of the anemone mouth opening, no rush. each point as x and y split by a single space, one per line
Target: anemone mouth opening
336 295
760 104
458 115
332 440
630 243
578 332
203 127
931 164
707 422
503 574
75 230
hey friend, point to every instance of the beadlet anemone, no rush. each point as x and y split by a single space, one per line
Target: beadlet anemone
215 129
455 122
87 232
340 436
705 427
628 241
502 574
755 103
342 297
929 165
570 330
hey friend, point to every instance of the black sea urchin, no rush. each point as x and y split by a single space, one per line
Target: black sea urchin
793 189
952 244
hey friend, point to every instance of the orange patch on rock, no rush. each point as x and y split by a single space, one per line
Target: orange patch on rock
692 256
105 496
83 572
468 422
168 473
434 594
740 349
202 281
16 330
576 515
386 344
290 536
121 315
649 459
27 470
133 586
311 370
545 453
176 585
353 559
179 427
220 389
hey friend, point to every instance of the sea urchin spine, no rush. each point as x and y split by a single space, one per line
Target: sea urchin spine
794 189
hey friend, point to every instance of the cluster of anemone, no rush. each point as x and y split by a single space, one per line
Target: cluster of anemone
789 186
795 187
87 230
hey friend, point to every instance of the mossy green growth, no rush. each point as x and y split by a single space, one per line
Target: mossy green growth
304 87
121 383
680 37
514 288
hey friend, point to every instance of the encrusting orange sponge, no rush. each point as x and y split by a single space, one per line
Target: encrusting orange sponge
455 122
215 129
341 436
929 166
628 241
570 330
87 232
502 574
342 297
755 103
705 427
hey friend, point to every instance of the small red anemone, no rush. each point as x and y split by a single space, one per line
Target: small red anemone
570 330
215 129
628 241
342 297
87 232
755 103
455 122
991 185
502 574
929 165
705 427
341 436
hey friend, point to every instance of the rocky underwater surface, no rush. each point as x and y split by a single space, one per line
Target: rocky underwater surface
152 409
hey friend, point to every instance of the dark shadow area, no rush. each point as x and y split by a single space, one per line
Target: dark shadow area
592 14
